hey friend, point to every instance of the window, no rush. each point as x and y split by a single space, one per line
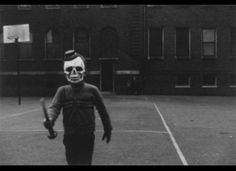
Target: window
52 44
25 49
209 81
1 46
155 43
182 81
108 6
182 43
209 43
233 42
24 7
233 80
81 42
52 7
81 6
109 42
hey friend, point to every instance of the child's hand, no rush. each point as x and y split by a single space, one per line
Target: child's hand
48 123
107 136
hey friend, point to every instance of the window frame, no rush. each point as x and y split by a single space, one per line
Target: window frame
89 41
183 86
162 43
232 85
189 44
231 44
111 33
45 45
210 86
215 44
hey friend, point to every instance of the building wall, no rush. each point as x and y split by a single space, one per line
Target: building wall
160 74
155 76
48 73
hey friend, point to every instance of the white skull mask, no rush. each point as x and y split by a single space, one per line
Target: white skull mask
74 70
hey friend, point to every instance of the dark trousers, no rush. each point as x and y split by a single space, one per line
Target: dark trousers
79 148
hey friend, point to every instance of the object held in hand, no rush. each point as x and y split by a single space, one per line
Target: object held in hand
52 133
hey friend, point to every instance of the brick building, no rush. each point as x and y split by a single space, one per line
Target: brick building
156 49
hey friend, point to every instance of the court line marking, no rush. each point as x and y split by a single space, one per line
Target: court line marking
19 114
121 131
182 158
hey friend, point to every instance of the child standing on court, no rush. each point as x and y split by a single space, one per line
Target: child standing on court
77 101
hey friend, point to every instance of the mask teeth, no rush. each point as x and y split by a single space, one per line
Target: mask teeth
75 81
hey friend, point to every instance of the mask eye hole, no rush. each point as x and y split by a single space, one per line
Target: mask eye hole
79 68
69 69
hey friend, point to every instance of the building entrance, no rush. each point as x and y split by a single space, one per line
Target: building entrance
106 78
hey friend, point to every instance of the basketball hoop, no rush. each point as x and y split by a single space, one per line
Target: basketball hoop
12 37
15 34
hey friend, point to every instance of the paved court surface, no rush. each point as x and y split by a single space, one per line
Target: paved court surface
148 130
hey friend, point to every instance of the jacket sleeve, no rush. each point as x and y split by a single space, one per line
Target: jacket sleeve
102 111
54 108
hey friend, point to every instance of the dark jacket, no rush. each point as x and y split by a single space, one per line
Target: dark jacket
78 104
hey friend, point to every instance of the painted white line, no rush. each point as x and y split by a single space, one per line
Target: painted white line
138 131
115 131
182 158
18 114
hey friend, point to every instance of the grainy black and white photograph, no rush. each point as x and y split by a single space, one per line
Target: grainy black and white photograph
118 84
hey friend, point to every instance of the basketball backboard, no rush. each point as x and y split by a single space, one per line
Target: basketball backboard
11 32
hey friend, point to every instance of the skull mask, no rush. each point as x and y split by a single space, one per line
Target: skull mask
74 70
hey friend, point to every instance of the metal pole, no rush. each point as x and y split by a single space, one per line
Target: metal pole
18 71
145 61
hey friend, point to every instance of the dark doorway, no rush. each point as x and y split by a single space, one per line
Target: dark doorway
107 75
